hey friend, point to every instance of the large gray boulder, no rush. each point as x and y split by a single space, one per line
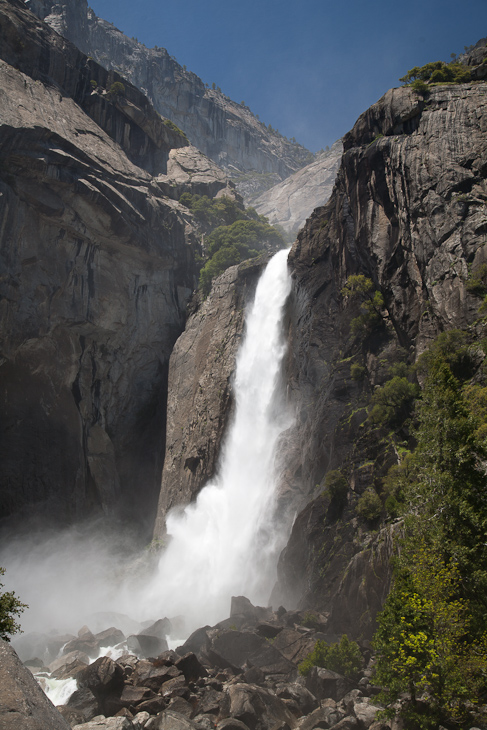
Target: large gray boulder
23 704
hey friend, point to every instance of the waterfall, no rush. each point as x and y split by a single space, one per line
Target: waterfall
226 543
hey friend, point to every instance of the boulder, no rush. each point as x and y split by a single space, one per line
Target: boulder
237 649
145 645
325 716
84 702
197 642
103 677
85 642
110 637
106 723
169 720
297 697
160 628
231 723
191 667
23 704
324 683
72 659
257 707
147 675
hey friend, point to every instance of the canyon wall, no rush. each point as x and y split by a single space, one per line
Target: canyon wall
408 212
225 131
97 267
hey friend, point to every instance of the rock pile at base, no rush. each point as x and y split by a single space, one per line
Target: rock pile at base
241 674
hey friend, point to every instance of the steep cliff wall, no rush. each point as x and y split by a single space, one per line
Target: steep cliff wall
200 401
289 203
96 271
225 131
409 212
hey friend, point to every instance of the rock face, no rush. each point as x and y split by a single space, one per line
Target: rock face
23 704
226 132
409 212
199 403
96 272
289 203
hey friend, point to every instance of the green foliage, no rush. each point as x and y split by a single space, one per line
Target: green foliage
452 348
432 632
477 281
420 87
231 244
361 289
357 372
436 72
392 403
343 657
422 648
337 486
93 83
116 89
174 128
10 608
369 506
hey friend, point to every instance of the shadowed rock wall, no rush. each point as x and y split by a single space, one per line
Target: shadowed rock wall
96 272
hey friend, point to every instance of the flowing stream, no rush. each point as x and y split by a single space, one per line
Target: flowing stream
227 542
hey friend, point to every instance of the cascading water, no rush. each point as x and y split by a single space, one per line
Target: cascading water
226 543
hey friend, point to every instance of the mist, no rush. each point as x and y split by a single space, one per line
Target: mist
226 543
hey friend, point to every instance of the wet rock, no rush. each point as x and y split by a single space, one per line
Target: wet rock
61 666
191 667
147 674
181 706
153 706
23 704
146 646
209 701
110 637
161 628
197 642
132 696
103 677
85 642
175 688
84 702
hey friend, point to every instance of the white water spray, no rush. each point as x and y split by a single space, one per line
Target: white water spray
226 543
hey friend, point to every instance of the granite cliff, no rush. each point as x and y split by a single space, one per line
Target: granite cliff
408 212
97 268
224 130
289 203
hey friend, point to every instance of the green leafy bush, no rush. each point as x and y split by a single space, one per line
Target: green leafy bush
357 372
392 403
361 289
436 72
343 657
369 506
229 245
337 485
10 607
174 127
116 89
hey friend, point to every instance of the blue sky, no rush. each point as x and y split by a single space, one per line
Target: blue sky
308 68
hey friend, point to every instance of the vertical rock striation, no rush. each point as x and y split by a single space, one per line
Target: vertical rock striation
225 131
409 211
96 270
